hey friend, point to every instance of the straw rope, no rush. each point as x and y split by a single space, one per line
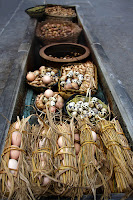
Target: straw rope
109 136
15 185
94 173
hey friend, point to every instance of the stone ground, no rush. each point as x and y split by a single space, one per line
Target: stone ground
110 21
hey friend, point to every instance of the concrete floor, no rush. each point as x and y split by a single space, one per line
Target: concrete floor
110 21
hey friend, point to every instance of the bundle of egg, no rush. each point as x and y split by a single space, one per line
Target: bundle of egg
50 99
60 11
41 162
92 108
65 161
78 77
44 77
94 169
13 164
15 149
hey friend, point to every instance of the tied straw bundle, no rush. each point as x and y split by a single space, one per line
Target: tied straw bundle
14 183
115 156
40 159
95 172
66 172
127 153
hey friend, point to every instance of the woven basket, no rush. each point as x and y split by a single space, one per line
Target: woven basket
42 88
69 38
76 98
57 16
36 12
69 92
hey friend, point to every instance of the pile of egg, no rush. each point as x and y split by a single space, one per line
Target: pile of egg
50 99
15 152
78 76
76 144
71 80
44 181
93 109
45 76
72 76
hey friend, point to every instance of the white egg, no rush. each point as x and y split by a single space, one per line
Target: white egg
52 103
12 164
52 73
46 79
41 143
94 135
70 74
75 108
48 74
80 110
68 81
99 106
85 112
17 125
76 73
104 110
45 100
80 77
60 141
79 82
46 181
62 83
53 99
82 116
94 99
48 93
74 114
70 106
86 105
74 80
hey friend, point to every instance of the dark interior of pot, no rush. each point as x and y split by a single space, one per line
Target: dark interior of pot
64 52
61 50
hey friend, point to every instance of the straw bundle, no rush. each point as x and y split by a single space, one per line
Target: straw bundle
127 153
65 164
115 156
14 182
95 172
40 159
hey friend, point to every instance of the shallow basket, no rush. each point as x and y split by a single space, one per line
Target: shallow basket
40 89
82 96
69 92
36 12
59 17
48 40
